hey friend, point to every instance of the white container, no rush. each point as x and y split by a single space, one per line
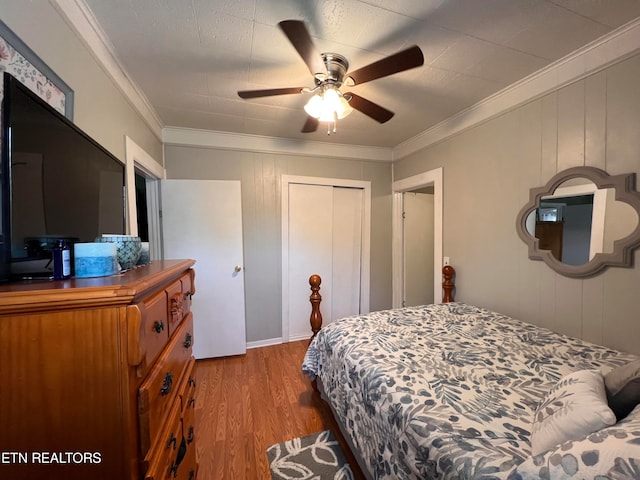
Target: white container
95 259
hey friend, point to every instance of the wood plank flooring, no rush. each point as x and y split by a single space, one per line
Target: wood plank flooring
248 402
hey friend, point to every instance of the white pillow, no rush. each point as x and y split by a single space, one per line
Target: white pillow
575 407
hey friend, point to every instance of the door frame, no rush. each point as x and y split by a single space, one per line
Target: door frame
429 178
365 267
138 159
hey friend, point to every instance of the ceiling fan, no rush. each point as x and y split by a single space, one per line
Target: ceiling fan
330 72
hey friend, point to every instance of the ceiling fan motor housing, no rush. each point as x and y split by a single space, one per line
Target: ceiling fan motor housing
337 66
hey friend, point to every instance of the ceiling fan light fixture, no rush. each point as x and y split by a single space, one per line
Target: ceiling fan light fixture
345 109
328 105
314 106
327 116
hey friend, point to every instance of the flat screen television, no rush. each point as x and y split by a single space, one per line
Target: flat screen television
57 184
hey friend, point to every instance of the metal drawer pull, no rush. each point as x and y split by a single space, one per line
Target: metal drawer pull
192 474
182 451
158 326
172 441
192 402
191 382
166 384
188 340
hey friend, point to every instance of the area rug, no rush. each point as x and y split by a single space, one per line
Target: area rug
315 457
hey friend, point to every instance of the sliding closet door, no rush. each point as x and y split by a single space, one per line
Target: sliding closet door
310 242
346 252
324 237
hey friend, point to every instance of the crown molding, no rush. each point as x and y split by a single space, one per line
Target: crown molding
263 144
593 57
82 21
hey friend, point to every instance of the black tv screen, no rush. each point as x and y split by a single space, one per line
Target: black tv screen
57 183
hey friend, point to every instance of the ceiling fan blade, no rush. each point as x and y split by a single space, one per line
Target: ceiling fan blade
297 33
269 92
398 62
373 110
311 125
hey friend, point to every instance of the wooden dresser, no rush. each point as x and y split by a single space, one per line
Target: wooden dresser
97 377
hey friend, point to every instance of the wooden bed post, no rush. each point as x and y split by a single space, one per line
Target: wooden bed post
447 283
315 298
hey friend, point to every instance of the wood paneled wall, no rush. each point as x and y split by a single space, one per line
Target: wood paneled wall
488 171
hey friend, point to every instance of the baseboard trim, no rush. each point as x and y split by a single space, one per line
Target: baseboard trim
296 338
275 341
264 343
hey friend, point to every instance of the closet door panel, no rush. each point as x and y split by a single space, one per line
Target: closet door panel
310 245
346 252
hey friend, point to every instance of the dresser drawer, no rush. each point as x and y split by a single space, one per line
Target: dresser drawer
174 455
187 392
189 431
187 292
175 301
171 444
155 327
174 463
187 468
187 396
157 393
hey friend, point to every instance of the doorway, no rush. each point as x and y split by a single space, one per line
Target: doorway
325 231
418 247
143 173
141 206
432 179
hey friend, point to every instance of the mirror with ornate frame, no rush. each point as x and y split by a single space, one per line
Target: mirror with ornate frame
582 221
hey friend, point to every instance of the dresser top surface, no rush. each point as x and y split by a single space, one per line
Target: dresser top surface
115 289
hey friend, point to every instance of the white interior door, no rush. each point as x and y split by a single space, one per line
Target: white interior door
324 237
202 219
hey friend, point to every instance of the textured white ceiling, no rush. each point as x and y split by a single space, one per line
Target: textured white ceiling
190 57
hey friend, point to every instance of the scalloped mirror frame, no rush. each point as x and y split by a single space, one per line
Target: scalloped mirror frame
624 186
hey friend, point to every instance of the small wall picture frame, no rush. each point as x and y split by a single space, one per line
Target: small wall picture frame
20 61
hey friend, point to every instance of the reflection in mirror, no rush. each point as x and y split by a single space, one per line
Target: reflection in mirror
582 221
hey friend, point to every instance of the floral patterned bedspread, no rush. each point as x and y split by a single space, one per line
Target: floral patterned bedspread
443 391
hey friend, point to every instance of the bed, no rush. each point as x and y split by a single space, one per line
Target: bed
457 391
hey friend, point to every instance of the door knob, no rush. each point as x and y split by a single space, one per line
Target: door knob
238 268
